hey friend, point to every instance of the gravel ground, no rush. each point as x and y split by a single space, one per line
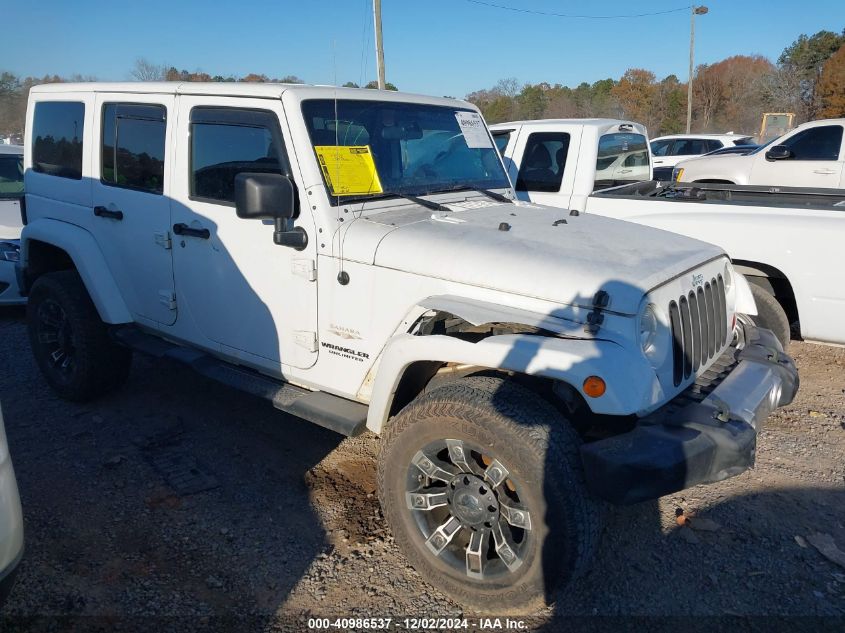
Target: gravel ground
179 497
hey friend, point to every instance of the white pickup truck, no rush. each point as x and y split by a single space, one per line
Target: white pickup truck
356 258
811 155
787 242
562 161
11 221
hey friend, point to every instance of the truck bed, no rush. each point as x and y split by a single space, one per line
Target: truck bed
714 193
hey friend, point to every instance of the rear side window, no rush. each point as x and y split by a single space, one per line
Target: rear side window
228 141
543 162
57 132
711 145
689 147
133 146
622 157
817 143
11 175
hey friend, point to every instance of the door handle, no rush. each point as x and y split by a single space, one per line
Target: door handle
184 229
824 171
103 212
625 171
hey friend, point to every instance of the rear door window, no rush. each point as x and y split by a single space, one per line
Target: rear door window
133 146
689 147
816 143
57 132
543 162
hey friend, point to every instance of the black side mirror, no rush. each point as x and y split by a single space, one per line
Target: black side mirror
264 196
779 152
270 197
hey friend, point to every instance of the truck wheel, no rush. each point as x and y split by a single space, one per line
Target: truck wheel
481 483
770 314
70 342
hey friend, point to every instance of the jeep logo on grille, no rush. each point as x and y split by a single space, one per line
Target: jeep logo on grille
697 280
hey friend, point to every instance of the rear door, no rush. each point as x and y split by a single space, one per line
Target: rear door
131 199
816 161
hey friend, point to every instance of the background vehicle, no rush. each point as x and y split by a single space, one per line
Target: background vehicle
736 149
11 221
668 151
787 242
811 155
561 161
11 519
481 337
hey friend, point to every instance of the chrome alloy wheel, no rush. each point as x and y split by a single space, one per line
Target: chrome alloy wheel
468 509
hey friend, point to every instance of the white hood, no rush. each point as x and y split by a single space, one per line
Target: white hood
545 253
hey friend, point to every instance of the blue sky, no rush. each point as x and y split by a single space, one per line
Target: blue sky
441 47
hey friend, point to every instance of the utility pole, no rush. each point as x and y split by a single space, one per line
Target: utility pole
379 44
695 11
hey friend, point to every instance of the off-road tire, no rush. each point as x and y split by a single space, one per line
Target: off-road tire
529 436
99 364
770 314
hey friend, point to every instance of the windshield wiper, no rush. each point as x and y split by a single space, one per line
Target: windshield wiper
428 204
490 194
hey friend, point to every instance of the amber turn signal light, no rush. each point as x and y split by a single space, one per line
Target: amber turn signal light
594 386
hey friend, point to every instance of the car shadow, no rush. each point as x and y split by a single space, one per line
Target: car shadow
112 530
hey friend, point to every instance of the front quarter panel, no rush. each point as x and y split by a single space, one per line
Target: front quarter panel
631 383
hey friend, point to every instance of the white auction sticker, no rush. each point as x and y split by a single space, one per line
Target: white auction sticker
473 128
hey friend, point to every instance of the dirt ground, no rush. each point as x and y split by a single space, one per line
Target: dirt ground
181 498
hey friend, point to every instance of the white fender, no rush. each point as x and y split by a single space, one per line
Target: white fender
82 248
745 303
632 385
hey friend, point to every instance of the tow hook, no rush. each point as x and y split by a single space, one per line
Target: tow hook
723 411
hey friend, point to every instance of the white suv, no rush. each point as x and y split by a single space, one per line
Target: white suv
356 257
11 519
811 155
668 151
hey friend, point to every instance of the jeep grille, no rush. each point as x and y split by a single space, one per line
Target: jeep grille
699 323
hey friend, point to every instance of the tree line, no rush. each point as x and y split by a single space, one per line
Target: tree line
808 79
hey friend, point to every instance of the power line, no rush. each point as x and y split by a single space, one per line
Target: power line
580 17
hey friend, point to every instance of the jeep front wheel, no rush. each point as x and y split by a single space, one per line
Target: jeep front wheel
481 483
70 343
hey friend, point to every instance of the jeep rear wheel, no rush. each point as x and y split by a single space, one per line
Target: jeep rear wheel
69 341
481 483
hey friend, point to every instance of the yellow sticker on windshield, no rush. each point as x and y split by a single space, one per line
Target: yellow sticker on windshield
349 169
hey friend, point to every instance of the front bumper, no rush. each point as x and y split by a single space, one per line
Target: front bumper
705 435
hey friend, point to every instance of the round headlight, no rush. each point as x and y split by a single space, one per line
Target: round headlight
648 328
729 277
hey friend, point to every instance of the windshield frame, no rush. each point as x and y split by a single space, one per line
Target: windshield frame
415 187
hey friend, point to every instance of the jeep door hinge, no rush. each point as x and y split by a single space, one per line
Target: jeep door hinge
167 298
305 268
306 339
163 240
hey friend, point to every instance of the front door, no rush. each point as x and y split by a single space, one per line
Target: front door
131 195
816 160
256 299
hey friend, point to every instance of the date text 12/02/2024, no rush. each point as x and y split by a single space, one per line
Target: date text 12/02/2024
418 624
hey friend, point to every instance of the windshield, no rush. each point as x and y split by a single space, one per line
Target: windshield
381 147
11 176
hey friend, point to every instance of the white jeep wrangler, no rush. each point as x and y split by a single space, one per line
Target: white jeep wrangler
356 257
